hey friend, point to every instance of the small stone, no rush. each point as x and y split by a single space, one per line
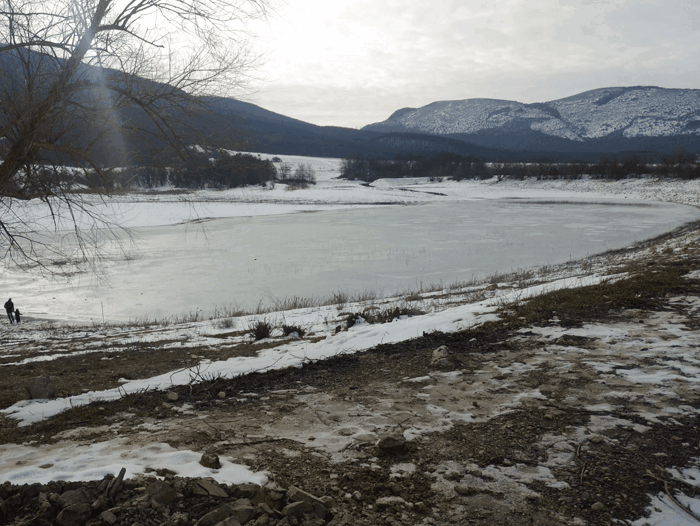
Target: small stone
172 396
440 357
217 515
161 492
179 519
211 489
598 506
248 491
222 395
357 496
74 496
295 494
242 510
297 509
210 460
108 517
269 496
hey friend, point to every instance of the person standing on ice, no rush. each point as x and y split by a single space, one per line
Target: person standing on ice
10 308
17 315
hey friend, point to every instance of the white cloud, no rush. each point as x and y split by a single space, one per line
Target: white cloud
406 53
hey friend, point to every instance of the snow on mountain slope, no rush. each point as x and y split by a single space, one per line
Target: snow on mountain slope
644 111
461 116
632 112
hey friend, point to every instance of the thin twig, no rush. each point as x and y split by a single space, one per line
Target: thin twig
685 509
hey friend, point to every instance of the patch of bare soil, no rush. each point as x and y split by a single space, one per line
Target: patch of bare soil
565 412
79 372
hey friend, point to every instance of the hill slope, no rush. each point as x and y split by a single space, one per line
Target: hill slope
585 126
604 120
269 132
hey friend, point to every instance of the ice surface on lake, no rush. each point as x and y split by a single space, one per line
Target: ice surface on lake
242 260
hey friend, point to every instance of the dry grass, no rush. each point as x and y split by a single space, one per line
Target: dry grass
645 286
288 330
260 329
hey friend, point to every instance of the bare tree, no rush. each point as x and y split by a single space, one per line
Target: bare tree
284 172
305 174
96 84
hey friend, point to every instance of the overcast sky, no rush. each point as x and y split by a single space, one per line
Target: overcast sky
354 62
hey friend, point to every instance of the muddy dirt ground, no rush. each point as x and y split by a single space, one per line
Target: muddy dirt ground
575 408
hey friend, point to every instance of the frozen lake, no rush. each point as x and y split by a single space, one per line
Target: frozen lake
243 260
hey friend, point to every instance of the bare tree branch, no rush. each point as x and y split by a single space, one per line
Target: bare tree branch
83 82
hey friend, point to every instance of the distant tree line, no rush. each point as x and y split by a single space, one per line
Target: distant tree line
438 166
200 169
681 165
220 169
212 169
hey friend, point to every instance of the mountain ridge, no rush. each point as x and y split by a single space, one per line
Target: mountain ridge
647 120
628 118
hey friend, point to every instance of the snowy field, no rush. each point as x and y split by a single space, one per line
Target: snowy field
185 245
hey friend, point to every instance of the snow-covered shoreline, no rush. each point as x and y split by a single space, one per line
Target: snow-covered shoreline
343 248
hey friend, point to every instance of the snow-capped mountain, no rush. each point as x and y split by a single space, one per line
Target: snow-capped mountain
633 116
